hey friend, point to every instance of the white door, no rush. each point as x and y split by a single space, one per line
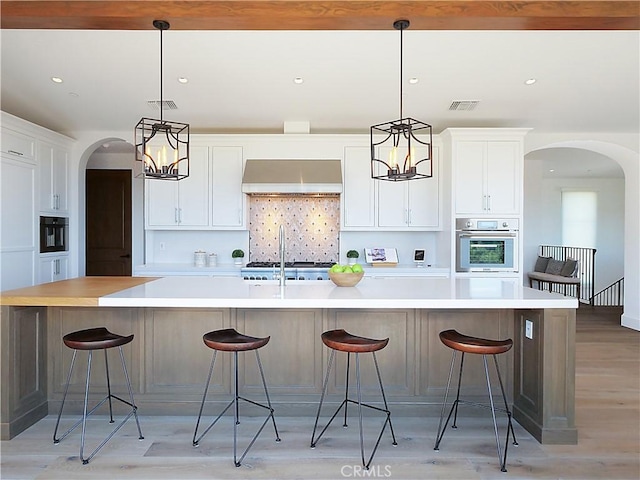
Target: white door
227 199
358 193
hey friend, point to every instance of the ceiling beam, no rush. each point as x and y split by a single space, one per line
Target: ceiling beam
322 14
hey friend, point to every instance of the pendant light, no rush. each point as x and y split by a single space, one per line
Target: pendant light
406 143
161 145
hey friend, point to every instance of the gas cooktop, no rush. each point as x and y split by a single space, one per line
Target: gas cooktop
290 264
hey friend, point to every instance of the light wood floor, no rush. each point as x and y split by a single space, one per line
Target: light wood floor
607 417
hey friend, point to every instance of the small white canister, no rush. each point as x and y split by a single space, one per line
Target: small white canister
199 258
213 260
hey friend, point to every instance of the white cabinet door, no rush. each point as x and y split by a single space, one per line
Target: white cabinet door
53 268
183 203
503 178
487 177
412 204
358 192
469 177
53 164
193 191
227 199
18 145
18 224
424 198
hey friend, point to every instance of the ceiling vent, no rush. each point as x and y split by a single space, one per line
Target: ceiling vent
466 105
166 104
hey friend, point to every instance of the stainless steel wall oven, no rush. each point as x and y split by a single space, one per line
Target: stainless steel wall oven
487 245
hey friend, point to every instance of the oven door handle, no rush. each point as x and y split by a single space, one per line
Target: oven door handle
486 234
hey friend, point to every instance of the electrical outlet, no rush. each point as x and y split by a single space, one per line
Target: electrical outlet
528 329
162 246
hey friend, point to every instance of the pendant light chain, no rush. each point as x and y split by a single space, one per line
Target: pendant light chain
401 50
161 77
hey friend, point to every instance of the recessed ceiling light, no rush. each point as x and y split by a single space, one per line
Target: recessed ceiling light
414 80
298 80
551 170
530 81
183 80
56 79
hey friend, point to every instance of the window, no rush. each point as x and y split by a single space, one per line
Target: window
579 219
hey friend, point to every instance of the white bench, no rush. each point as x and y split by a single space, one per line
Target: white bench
567 273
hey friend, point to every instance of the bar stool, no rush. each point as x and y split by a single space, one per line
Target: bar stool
96 339
479 346
229 340
340 340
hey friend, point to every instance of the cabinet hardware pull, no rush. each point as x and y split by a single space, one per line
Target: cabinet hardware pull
16 152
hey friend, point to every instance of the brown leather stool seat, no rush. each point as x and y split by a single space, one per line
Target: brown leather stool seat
342 341
229 340
89 340
95 339
478 346
345 342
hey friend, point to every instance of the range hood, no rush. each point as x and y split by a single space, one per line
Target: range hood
292 176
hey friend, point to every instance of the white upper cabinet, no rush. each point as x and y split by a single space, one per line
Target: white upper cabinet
227 199
358 194
53 162
487 172
412 204
181 204
18 145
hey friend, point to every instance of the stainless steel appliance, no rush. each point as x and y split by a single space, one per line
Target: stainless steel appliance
54 234
487 245
292 270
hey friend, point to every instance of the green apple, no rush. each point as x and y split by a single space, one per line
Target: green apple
357 268
347 269
336 268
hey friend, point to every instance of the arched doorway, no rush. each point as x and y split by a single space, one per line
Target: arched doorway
109 210
630 250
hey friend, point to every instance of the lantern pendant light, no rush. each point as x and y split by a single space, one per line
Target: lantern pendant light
161 145
406 143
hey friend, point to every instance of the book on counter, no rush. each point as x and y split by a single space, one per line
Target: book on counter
381 257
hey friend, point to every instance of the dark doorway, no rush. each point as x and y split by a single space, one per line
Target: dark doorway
108 222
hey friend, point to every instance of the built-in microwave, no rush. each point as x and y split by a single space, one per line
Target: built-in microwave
493 248
54 234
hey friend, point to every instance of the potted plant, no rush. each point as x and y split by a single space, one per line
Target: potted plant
237 256
353 255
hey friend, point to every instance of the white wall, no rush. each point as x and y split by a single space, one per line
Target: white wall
543 219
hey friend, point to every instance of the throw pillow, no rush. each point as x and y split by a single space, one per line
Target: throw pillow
569 267
554 266
541 264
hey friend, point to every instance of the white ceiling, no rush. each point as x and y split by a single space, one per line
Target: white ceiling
242 81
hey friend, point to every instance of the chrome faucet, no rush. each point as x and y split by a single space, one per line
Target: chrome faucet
281 249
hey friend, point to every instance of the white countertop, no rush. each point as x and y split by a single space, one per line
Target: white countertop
436 293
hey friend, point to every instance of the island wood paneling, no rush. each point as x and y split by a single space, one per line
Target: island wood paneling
396 360
177 361
291 359
63 320
24 368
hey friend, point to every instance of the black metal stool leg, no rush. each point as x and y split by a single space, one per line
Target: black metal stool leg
64 397
346 389
106 366
133 405
384 399
457 402
204 398
266 394
324 391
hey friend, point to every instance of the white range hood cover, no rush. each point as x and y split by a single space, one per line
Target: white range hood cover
266 176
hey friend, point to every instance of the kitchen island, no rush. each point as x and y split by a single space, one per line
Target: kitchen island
168 361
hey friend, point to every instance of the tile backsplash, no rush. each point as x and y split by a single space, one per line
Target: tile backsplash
312 228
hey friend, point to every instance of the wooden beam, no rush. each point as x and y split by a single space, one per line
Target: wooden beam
323 15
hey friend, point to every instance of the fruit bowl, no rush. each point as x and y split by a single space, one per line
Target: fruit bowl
346 279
